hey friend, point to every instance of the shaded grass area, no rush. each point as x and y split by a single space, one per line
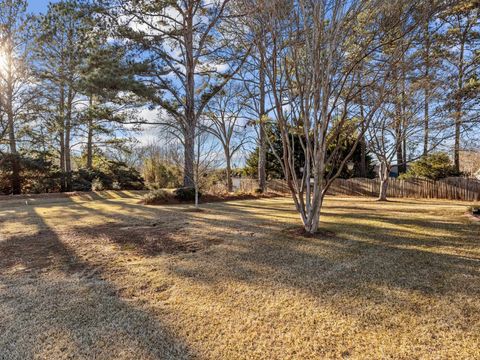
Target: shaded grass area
114 279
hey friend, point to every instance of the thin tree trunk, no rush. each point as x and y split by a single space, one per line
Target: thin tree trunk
383 190
402 165
190 119
426 118
229 171
61 136
398 123
16 182
313 221
90 145
363 142
68 130
400 154
197 175
189 166
90 139
262 148
427 125
384 178
458 109
427 90
196 195
457 143
363 158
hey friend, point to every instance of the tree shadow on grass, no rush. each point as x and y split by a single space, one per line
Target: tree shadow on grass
54 305
360 257
150 239
396 255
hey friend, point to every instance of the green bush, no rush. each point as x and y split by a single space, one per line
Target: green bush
82 179
108 175
157 197
186 194
160 174
435 167
38 172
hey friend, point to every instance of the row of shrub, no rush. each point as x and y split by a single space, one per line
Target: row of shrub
118 177
40 174
163 196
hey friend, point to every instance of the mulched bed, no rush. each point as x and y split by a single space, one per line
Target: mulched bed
298 231
209 198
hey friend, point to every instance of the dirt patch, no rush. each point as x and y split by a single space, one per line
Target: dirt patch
473 217
194 210
298 231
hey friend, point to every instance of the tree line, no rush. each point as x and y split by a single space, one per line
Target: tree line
395 80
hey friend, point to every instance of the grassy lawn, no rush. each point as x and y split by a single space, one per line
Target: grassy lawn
104 277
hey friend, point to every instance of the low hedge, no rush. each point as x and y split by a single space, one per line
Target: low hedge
186 194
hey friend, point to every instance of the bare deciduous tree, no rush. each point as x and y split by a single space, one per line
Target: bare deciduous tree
224 122
315 50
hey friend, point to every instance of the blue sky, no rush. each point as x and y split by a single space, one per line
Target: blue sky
38 5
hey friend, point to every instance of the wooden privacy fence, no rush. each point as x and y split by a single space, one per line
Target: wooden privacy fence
449 188
467 189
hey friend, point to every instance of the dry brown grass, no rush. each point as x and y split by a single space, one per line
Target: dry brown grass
107 278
